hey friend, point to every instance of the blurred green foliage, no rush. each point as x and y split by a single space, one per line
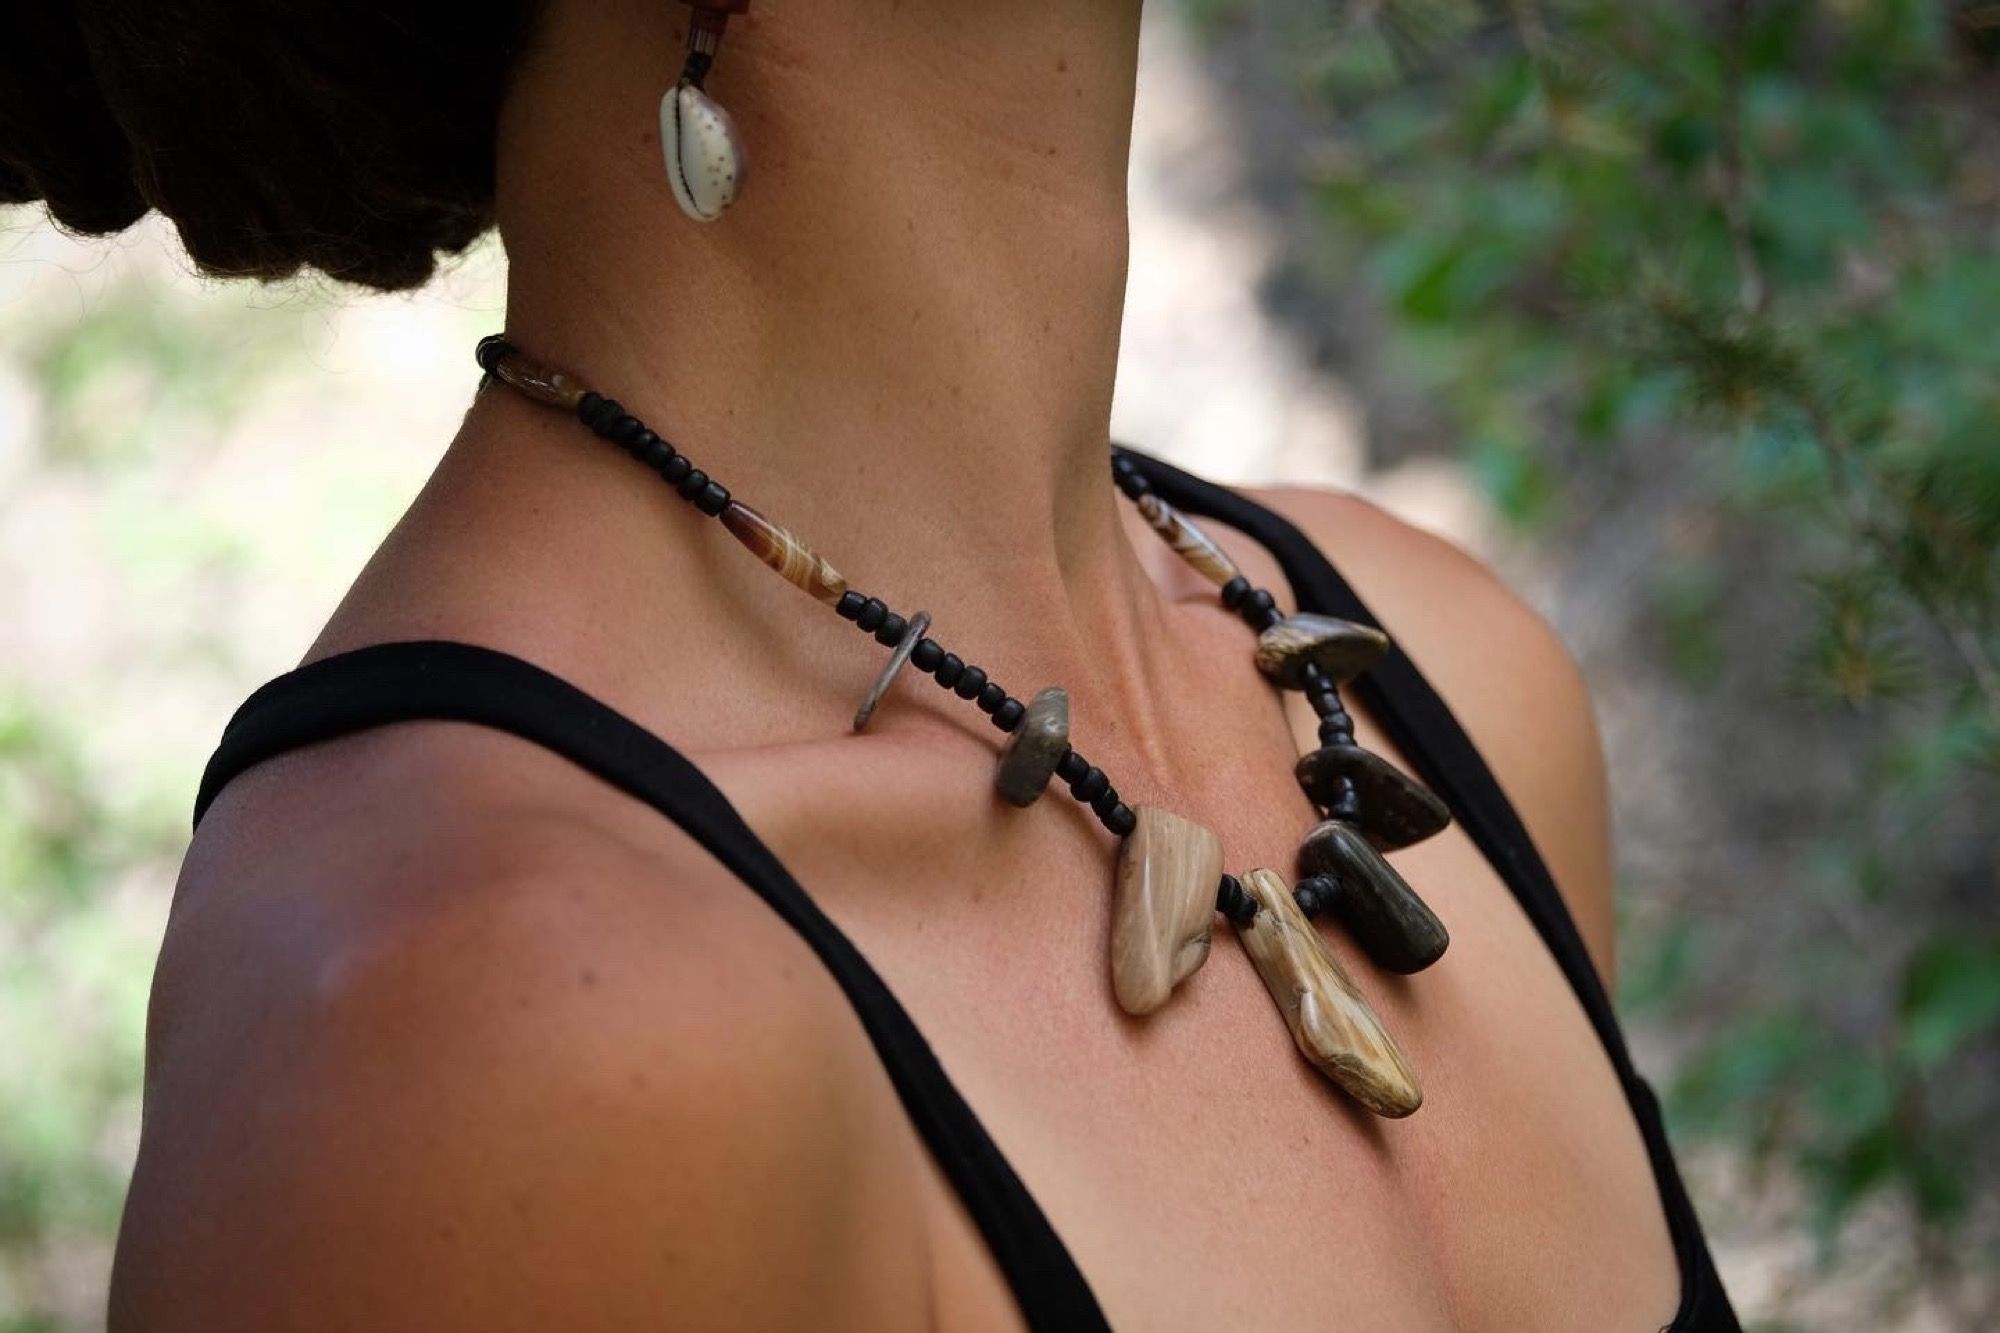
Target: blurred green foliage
1761 234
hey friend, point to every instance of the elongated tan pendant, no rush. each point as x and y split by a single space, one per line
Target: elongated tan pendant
1164 908
1334 1027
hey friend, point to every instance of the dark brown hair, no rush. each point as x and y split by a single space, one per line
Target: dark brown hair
277 135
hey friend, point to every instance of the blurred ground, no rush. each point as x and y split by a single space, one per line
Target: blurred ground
190 473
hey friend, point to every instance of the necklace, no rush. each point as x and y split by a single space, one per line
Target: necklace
1169 882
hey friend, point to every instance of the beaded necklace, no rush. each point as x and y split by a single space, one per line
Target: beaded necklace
1169 882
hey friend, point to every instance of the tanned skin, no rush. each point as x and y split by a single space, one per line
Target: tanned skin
449 1036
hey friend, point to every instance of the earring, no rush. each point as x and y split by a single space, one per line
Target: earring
704 157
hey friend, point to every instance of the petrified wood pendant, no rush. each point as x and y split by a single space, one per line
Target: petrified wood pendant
1035 750
1392 924
1334 1027
1164 908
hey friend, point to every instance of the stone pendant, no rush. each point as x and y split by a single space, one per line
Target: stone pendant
1395 809
1341 649
1334 1027
1164 907
704 156
1393 925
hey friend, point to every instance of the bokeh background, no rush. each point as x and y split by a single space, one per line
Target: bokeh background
1683 315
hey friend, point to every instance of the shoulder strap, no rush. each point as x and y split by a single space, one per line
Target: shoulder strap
436 680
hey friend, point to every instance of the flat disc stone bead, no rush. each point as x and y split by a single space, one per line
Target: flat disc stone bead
1340 648
1396 809
1035 748
1385 916
1164 908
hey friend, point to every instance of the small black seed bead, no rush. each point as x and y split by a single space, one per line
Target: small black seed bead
1234 591
1233 902
1105 801
891 632
850 605
586 406
971 683
1072 767
714 498
492 348
626 429
872 615
950 669
652 451
676 469
1009 714
1255 601
991 697
1090 786
606 411
692 484
1336 731
1264 619
928 655
1121 821
1315 894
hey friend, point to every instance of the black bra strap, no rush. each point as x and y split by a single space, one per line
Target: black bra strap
403 682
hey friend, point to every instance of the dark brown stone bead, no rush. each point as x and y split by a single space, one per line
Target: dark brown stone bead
1386 917
1396 809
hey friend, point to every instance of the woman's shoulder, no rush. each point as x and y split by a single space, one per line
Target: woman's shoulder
1504 671
413 1015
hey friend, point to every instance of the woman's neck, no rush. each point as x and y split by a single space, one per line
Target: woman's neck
901 341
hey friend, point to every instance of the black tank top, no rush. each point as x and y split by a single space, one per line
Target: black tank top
438 680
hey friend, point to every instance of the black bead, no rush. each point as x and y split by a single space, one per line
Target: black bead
627 430
1090 786
850 605
602 413
492 348
950 669
1233 902
1009 714
676 470
928 655
714 498
586 407
692 484
1105 801
971 683
1255 603
991 697
891 632
653 451
1315 894
872 615
1337 730
1263 620
1234 591
1121 821
1072 767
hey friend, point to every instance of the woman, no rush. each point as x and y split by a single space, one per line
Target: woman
452 1029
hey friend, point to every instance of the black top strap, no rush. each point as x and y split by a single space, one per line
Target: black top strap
400 682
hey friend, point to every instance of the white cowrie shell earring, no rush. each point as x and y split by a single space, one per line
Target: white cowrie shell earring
704 156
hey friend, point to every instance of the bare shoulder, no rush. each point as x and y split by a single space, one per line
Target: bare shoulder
443 1060
1504 671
